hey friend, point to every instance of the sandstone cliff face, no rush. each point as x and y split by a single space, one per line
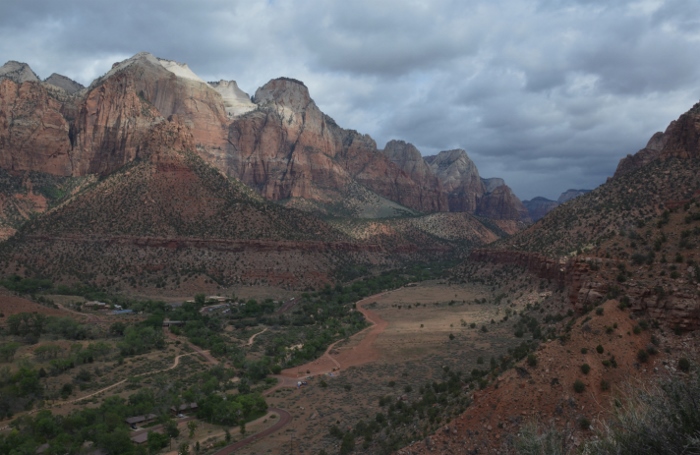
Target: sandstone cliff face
173 89
111 125
460 179
502 204
34 135
407 157
281 144
570 194
289 149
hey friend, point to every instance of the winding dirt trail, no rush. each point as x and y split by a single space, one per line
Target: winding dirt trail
252 338
363 352
176 362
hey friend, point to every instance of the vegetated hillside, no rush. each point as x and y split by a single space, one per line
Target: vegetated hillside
24 195
631 244
619 204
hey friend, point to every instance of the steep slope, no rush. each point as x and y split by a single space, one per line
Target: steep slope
635 235
570 194
18 72
460 179
502 204
288 149
236 101
34 134
630 244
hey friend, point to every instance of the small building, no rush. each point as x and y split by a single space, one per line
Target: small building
184 408
168 323
142 437
132 421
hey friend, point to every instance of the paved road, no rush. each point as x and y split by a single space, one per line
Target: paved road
284 419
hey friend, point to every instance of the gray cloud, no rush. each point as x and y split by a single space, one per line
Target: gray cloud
547 94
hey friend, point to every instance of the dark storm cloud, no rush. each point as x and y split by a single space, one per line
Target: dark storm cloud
547 94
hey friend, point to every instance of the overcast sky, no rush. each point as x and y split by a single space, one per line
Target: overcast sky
547 94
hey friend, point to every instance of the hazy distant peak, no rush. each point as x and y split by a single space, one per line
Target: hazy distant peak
65 83
571 194
18 72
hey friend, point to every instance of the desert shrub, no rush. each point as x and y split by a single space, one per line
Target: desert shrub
579 386
684 364
585 368
662 419
584 423
599 349
642 356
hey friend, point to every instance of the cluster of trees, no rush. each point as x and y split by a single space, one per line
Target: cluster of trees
18 390
104 426
30 326
231 410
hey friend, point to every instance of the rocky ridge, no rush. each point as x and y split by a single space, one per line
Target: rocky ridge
279 142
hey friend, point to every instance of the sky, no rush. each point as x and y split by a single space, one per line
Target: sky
547 94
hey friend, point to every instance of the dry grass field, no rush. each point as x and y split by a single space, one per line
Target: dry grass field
412 348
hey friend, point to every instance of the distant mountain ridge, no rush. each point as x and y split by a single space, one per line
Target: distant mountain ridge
277 142
539 206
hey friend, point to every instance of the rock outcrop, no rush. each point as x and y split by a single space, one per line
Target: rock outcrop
34 134
66 84
236 101
502 204
18 72
681 139
460 179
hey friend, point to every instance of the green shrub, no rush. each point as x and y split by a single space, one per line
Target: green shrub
579 386
684 364
585 368
599 349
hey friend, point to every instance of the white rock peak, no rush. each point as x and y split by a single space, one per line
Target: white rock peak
236 101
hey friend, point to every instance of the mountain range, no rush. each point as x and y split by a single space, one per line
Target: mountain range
152 155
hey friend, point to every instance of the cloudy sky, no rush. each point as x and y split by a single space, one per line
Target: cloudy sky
548 94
